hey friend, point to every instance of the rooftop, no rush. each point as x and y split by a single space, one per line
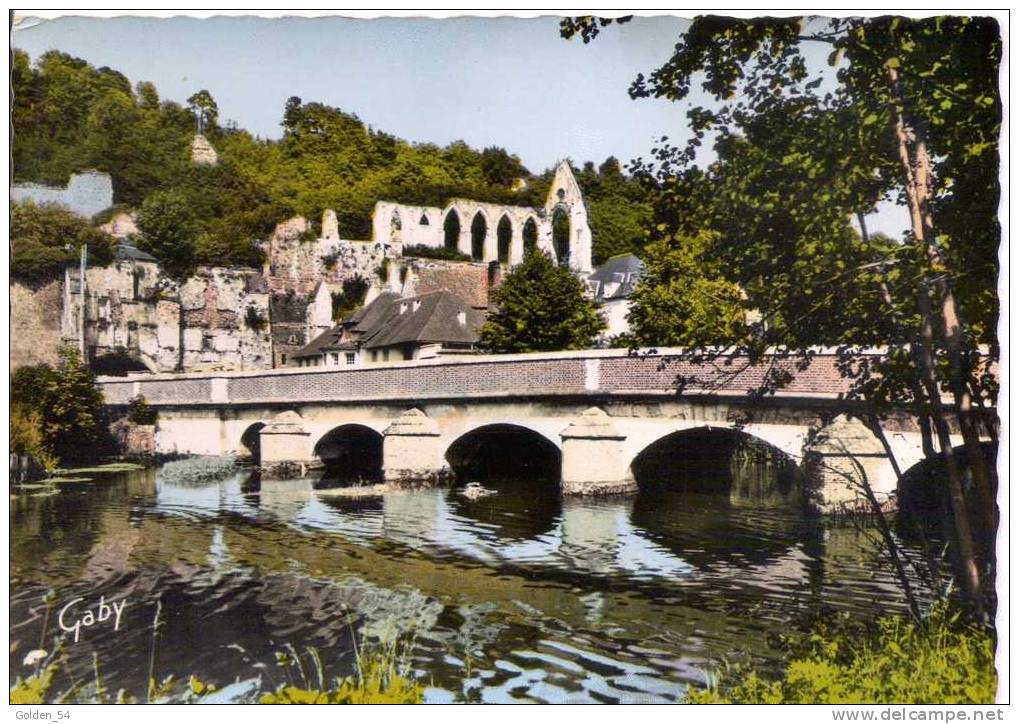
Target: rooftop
391 320
617 277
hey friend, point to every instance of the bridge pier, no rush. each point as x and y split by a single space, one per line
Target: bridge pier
411 454
285 447
593 462
845 457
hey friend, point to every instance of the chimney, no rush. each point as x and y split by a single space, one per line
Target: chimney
393 281
494 278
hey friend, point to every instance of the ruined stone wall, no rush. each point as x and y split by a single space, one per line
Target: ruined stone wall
86 194
425 225
299 263
408 225
133 314
219 329
35 323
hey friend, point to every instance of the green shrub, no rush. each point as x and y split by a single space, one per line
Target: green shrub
254 319
435 252
940 660
45 238
27 435
350 297
540 307
74 422
140 412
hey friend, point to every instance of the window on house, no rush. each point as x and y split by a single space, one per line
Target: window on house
283 359
336 358
424 220
385 355
375 356
351 358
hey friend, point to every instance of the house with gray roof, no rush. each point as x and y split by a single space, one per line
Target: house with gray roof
610 287
392 328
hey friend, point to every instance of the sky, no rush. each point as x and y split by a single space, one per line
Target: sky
509 82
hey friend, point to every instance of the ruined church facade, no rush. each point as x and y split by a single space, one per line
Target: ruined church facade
488 232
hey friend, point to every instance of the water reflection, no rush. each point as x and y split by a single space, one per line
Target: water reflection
520 595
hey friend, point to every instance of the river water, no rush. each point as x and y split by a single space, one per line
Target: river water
517 596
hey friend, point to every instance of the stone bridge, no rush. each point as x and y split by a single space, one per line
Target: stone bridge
598 421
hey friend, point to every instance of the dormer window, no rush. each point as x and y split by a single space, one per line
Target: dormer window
417 305
461 318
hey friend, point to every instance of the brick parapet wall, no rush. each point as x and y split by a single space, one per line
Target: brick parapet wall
601 372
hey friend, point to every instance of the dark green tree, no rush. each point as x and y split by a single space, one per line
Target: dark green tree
70 404
540 307
168 231
678 304
203 106
47 238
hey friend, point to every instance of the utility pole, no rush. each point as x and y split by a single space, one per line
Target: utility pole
81 320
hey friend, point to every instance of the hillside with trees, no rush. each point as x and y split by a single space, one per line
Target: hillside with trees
70 116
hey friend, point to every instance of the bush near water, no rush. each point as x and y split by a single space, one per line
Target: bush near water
941 659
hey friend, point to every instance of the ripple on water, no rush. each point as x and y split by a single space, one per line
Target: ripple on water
510 597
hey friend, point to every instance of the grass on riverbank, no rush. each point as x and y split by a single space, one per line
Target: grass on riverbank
940 660
377 680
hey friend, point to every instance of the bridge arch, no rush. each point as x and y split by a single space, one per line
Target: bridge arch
923 484
251 441
504 452
719 460
351 453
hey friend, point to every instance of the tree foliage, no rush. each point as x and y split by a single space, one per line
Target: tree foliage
619 210
906 110
540 307
168 230
46 238
677 304
70 405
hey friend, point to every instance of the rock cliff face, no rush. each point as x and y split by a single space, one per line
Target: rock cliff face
202 152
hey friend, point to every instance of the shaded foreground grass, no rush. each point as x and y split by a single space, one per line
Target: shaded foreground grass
379 678
942 659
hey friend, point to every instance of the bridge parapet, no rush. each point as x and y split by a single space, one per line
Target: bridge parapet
546 374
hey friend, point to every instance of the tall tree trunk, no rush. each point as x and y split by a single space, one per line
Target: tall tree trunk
953 335
964 558
918 192
917 173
